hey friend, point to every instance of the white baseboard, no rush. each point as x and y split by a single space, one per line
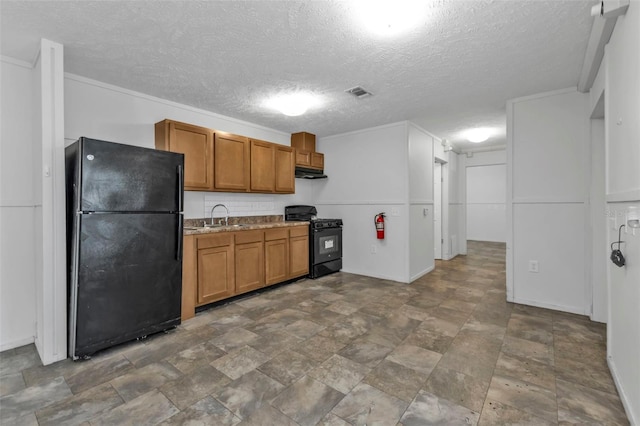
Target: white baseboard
422 273
369 274
16 343
633 420
554 307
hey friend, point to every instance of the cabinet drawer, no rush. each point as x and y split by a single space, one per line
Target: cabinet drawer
216 240
298 231
244 237
276 234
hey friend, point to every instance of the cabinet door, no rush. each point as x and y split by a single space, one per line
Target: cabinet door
304 141
196 143
298 256
317 160
276 260
231 162
262 166
215 274
303 158
249 267
285 170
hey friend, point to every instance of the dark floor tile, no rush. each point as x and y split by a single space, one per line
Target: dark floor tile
191 388
396 380
526 370
234 339
528 349
288 366
366 353
307 401
139 381
368 405
304 328
100 372
267 416
319 348
495 413
428 409
12 362
240 362
11 383
80 408
196 357
32 398
524 396
458 388
428 339
579 404
207 411
248 393
150 409
340 373
45 373
274 342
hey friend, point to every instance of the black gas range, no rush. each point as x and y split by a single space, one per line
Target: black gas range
325 240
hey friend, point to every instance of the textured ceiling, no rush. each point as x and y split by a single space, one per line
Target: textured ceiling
456 70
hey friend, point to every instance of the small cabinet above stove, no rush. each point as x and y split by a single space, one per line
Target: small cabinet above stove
306 155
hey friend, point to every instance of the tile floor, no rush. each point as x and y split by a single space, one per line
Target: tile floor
340 350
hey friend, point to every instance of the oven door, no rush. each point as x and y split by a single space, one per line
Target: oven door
327 245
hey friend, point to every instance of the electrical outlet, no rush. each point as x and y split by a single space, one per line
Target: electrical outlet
425 212
395 211
533 266
374 249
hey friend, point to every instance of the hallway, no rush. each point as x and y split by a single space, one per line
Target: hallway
343 349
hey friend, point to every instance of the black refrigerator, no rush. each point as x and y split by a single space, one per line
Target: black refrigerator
124 243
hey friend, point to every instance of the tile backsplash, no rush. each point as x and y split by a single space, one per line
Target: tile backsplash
247 205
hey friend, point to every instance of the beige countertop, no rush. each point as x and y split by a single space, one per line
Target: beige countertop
192 230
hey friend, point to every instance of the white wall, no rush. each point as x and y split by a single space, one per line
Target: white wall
368 174
548 154
102 111
486 208
622 134
17 206
421 203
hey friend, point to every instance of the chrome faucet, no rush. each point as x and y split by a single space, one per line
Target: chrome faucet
226 218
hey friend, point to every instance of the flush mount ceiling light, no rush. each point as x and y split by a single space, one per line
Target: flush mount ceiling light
293 104
478 135
390 18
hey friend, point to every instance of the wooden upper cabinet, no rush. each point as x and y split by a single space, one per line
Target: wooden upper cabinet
263 166
285 169
317 160
196 143
219 161
231 162
306 155
303 141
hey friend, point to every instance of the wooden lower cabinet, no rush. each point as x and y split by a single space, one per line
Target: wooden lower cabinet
216 269
276 251
220 265
298 251
249 260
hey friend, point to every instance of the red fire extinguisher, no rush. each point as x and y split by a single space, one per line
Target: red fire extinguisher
379 221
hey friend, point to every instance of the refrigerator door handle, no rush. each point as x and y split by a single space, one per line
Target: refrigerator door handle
179 238
180 188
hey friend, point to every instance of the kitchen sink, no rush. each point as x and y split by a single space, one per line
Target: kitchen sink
196 228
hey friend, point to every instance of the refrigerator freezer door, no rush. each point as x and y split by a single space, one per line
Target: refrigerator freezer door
124 178
129 279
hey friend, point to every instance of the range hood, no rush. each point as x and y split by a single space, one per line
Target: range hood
305 173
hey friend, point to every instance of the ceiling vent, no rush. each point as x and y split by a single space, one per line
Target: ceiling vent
359 92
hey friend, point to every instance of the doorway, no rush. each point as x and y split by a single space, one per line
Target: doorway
437 209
